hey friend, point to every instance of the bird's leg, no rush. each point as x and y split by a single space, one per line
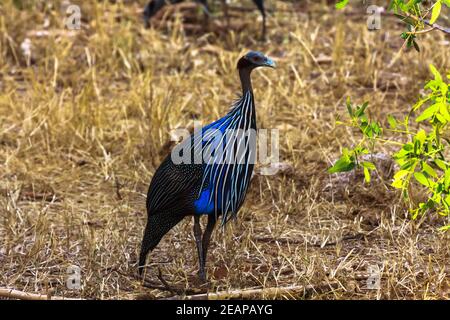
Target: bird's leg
262 10
206 13
264 31
198 242
207 235
205 8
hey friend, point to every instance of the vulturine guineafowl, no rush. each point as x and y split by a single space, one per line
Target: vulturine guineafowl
213 175
155 5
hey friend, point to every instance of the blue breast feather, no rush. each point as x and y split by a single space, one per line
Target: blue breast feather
225 183
204 205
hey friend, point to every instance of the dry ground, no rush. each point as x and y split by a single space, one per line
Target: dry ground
85 124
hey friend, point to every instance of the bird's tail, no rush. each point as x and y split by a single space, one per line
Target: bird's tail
157 226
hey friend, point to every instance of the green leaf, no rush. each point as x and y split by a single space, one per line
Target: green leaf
349 107
414 213
360 111
419 104
417 147
435 72
427 113
445 228
366 175
398 179
436 11
408 164
444 111
444 88
420 177
368 165
400 174
441 119
447 200
441 164
429 170
407 147
416 46
447 178
392 121
421 136
341 4
342 165
376 128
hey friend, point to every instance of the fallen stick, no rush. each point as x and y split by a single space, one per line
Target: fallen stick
20 295
292 291
302 241
176 291
271 293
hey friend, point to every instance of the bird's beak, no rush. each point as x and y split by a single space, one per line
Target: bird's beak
270 63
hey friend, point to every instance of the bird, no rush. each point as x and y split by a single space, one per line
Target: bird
154 6
207 174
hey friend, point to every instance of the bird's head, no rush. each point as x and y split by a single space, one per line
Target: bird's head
255 59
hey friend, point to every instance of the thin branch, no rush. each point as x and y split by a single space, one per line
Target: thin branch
21 295
302 241
291 291
437 26
272 293
434 26
421 31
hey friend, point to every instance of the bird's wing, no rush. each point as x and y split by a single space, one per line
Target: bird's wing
172 185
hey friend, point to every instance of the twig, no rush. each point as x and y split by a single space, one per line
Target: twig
321 245
434 26
21 295
290 291
273 292
421 31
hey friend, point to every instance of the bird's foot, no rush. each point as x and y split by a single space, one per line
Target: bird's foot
203 284
202 276
167 286
203 281
263 38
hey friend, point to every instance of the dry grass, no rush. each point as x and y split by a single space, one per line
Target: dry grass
83 128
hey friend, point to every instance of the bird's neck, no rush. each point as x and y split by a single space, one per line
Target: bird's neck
246 81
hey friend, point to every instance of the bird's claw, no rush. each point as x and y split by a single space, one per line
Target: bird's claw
202 277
